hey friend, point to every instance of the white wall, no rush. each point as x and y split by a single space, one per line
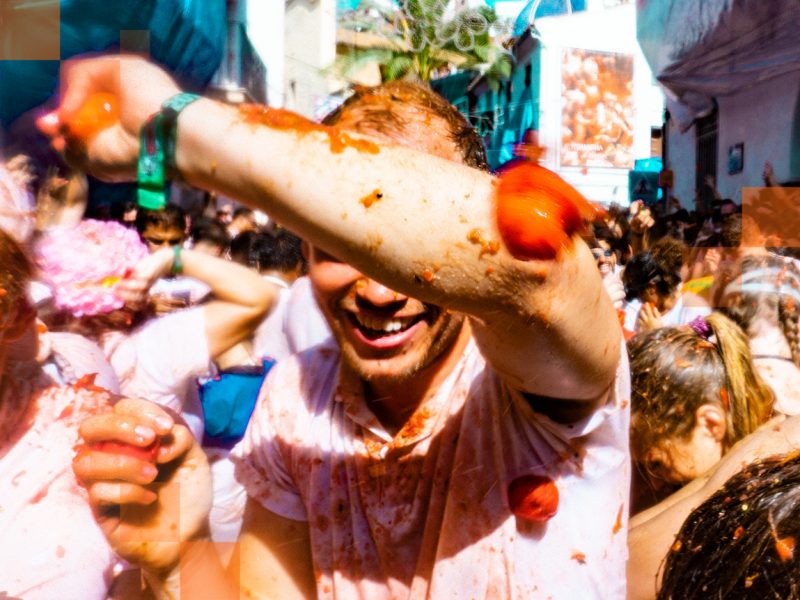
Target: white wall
265 26
760 117
611 30
310 46
681 158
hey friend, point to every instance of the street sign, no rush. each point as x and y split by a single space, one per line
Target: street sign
643 185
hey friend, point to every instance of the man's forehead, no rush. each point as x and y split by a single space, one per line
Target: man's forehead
164 229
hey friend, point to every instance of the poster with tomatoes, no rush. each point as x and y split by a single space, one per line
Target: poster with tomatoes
597 109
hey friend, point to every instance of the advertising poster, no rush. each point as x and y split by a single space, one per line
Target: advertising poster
597 109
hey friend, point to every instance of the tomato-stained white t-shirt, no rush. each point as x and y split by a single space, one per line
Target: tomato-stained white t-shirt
425 513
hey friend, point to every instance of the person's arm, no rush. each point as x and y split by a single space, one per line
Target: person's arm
563 323
711 184
272 561
160 524
640 224
275 556
242 298
566 336
652 532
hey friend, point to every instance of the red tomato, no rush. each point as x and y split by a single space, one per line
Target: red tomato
148 453
533 497
537 211
98 112
522 175
531 225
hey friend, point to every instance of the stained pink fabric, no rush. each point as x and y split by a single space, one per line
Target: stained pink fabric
50 545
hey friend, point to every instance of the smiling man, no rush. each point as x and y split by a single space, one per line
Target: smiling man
464 433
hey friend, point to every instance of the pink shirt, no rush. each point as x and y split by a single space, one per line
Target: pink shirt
50 545
425 513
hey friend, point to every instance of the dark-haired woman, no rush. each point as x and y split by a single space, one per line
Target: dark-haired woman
653 295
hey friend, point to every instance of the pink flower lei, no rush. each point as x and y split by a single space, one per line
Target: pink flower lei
83 264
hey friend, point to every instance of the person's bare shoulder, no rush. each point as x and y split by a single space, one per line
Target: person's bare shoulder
778 436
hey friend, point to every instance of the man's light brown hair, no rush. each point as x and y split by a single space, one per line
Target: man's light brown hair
378 110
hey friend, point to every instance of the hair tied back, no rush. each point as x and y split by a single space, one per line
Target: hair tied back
701 327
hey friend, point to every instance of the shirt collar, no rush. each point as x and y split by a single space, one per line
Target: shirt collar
421 425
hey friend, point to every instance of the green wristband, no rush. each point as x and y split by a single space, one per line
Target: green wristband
177 261
152 190
170 111
157 142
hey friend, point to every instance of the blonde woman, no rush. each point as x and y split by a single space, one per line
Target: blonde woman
695 393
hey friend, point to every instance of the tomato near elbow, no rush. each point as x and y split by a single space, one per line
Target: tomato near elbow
537 211
531 225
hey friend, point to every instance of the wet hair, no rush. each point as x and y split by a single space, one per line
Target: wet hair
16 271
379 112
674 371
118 209
645 269
603 233
169 217
740 543
769 291
210 231
266 251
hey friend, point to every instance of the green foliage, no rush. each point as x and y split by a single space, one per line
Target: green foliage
417 40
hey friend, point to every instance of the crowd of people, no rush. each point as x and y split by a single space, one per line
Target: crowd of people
365 394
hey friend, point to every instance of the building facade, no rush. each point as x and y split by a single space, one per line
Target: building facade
731 73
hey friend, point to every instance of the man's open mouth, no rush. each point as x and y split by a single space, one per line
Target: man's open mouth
373 327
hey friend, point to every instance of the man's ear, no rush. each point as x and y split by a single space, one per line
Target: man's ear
711 418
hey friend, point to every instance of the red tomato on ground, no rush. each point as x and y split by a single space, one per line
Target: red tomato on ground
533 497
148 453
98 112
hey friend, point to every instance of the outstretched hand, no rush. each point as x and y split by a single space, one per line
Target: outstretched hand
146 510
649 318
140 87
134 289
642 221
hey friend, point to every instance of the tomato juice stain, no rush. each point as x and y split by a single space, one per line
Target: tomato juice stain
286 120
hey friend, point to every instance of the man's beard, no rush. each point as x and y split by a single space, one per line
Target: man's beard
443 340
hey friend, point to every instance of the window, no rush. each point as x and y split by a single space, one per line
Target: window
706 129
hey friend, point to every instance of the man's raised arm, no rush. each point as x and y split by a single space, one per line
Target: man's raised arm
422 225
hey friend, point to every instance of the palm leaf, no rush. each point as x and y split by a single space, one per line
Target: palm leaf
397 67
349 63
